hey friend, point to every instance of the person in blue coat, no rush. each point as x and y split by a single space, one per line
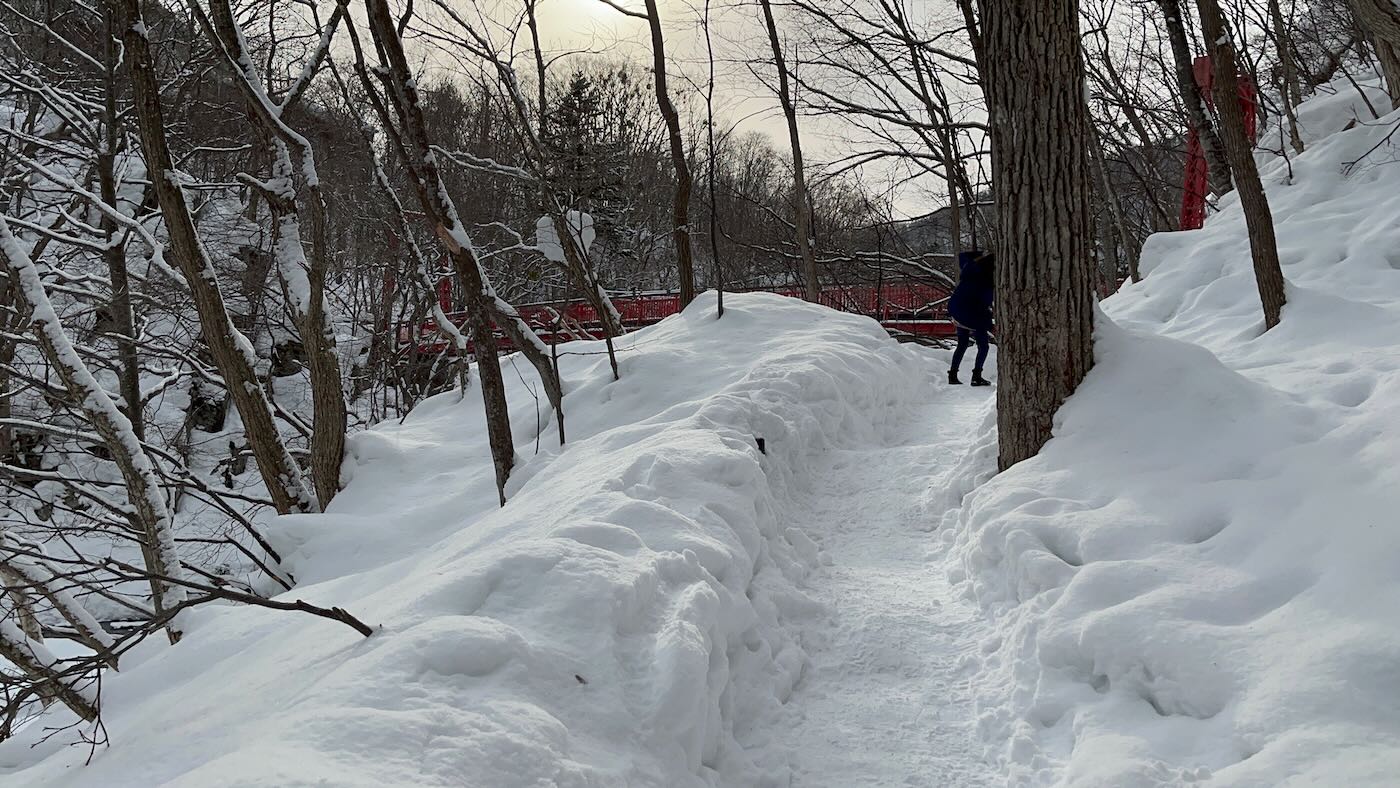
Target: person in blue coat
971 309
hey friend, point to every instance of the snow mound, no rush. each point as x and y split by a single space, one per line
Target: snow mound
628 619
1196 580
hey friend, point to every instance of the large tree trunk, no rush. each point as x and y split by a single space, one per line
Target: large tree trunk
680 208
402 117
1258 219
231 351
1381 20
1192 98
801 207
1033 76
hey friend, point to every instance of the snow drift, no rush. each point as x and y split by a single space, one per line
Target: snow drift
1196 580
625 620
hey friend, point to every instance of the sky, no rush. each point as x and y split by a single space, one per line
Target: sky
740 43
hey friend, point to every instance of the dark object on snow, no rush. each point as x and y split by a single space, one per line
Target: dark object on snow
971 303
978 380
953 378
762 448
971 308
580 679
965 338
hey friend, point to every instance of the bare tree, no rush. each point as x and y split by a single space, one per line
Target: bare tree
1033 75
1264 248
231 351
681 205
1191 98
150 514
305 279
400 110
802 209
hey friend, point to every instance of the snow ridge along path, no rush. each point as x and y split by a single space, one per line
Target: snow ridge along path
886 699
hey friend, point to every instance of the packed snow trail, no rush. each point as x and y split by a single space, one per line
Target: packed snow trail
886 700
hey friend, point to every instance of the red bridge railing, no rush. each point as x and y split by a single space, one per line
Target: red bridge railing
903 307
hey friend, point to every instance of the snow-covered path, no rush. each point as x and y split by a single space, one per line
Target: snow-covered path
885 700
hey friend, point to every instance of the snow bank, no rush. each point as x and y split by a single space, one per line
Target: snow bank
628 618
1197 579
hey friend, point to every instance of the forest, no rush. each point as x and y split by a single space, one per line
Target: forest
244 239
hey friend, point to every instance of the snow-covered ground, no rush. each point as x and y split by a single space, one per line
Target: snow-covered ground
888 697
631 618
1197 580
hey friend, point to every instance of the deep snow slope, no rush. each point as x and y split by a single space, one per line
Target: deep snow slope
608 627
1198 579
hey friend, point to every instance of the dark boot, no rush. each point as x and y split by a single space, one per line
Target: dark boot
978 380
953 378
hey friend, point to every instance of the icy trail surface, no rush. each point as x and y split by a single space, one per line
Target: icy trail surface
886 699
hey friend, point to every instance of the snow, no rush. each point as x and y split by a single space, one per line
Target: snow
1195 580
888 697
1193 583
547 239
632 616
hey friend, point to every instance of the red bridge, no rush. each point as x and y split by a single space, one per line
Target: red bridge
906 309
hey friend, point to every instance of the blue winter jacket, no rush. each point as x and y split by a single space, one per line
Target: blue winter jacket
971 302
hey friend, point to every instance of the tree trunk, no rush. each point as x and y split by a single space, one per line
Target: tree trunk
408 132
1258 219
1115 207
1033 75
1193 100
231 351
680 208
802 208
1381 20
1292 90
114 254
328 419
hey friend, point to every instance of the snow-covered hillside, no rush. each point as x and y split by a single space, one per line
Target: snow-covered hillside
736 572
614 625
1198 578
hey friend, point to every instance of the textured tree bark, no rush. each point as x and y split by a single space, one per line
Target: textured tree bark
128 366
680 210
408 132
1192 98
1268 274
801 207
231 351
1033 75
328 419
1381 20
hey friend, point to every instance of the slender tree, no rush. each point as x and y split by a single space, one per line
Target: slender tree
400 110
1033 76
1268 274
801 205
680 207
1192 99
232 353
